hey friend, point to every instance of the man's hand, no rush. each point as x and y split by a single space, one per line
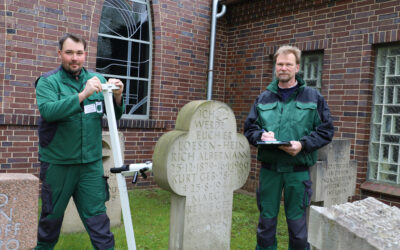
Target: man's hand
117 92
268 136
92 85
294 148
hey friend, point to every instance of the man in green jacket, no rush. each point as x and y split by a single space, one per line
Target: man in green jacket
70 103
287 111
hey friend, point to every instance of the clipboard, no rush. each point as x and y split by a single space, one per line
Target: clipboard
272 144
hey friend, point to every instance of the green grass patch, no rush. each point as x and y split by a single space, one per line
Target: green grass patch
150 219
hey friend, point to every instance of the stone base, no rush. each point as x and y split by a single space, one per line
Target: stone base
366 224
18 211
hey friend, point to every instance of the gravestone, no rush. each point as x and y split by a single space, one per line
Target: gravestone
18 211
72 221
202 162
366 224
334 175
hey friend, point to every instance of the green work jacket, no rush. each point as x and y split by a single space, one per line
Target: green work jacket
70 132
304 117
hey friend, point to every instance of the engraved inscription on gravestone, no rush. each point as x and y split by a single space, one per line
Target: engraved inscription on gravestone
202 162
10 230
334 175
338 183
18 211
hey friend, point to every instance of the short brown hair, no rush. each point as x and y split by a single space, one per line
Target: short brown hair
288 49
75 38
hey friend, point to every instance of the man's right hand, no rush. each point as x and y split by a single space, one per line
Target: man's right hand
268 136
92 85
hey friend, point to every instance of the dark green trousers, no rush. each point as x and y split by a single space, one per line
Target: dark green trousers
297 196
89 189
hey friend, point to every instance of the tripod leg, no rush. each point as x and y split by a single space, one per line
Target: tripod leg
117 154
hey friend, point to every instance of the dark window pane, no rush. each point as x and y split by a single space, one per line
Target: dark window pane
395 154
140 60
111 56
393 110
312 83
389 98
395 51
396 125
394 80
391 66
137 99
391 139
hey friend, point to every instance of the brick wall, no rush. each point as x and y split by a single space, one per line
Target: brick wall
346 31
29 32
181 33
18 149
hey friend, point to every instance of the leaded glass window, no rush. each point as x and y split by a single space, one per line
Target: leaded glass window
311 68
124 51
384 153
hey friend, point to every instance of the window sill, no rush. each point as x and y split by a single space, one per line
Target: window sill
381 188
19 119
33 120
131 123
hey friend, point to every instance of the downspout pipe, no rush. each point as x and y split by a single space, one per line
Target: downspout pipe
214 17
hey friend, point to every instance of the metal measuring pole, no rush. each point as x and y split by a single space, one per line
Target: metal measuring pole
117 154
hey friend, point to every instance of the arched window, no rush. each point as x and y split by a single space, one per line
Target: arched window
124 51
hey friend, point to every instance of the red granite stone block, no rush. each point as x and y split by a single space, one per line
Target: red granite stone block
18 211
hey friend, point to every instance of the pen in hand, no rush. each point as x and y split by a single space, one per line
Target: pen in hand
267 136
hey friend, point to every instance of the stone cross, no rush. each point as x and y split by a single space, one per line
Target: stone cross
202 162
18 211
364 224
72 221
334 175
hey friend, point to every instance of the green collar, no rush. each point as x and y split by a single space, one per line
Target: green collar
65 74
273 86
76 83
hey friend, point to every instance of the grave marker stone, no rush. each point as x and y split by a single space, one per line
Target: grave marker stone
334 175
202 162
366 224
72 221
18 211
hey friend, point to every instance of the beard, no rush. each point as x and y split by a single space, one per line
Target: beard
72 71
284 77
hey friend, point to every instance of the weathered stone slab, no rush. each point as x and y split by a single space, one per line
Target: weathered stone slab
18 211
365 224
202 162
72 221
334 175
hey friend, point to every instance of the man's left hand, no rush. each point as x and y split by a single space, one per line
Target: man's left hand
117 92
294 148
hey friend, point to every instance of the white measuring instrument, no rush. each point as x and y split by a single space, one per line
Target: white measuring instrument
120 169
